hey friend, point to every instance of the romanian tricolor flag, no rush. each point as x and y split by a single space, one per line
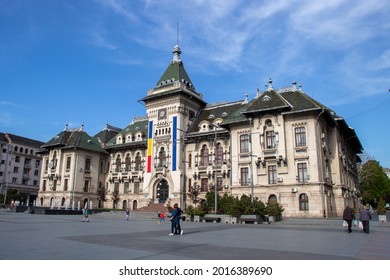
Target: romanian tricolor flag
150 147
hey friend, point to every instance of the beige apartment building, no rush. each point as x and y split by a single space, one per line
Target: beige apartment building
20 166
281 146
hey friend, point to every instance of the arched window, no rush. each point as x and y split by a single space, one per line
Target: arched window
162 158
138 162
219 154
272 199
204 156
303 202
128 163
118 163
53 163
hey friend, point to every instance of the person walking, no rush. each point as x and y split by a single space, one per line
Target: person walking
127 213
365 217
162 217
85 213
348 216
175 220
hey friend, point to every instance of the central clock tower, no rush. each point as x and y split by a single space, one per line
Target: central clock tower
171 106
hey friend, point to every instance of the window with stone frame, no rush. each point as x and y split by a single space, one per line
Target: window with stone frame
244 143
303 202
87 164
128 163
204 185
270 140
300 137
219 154
272 174
302 172
86 185
162 158
118 163
138 162
204 155
244 176
66 182
68 162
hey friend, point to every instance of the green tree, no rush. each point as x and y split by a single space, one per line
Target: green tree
374 183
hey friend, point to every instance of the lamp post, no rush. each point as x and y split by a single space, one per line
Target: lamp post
215 170
6 172
251 160
183 161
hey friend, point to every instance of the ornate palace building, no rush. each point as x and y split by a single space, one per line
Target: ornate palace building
283 145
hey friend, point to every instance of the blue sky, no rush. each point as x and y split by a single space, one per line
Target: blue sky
89 62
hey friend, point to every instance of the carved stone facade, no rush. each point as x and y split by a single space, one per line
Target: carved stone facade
282 145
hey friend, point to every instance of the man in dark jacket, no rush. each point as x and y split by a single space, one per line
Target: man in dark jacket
175 220
348 216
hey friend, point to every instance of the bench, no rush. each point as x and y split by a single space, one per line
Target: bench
255 219
211 218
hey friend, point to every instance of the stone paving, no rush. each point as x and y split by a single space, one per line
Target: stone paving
110 237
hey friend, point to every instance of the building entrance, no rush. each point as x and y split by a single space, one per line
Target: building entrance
162 191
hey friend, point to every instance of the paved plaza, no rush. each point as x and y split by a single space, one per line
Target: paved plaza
110 237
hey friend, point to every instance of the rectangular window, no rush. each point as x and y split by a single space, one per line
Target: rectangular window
270 139
300 137
17 159
204 185
126 187
272 174
44 185
16 169
35 182
36 172
54 185
244 143
136 187
86 185
302 173
244 176
87 164
46 164
66 182
116 187
68 161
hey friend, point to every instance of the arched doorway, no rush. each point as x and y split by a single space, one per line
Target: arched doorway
135 204
162 191
124 204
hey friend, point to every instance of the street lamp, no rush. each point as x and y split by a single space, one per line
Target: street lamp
251 160
6 171
215 163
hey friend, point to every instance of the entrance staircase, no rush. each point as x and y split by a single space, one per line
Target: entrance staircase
152 208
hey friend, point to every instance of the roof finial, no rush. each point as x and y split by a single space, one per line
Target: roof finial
270 85
66 127
176 54
294 85
246 101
